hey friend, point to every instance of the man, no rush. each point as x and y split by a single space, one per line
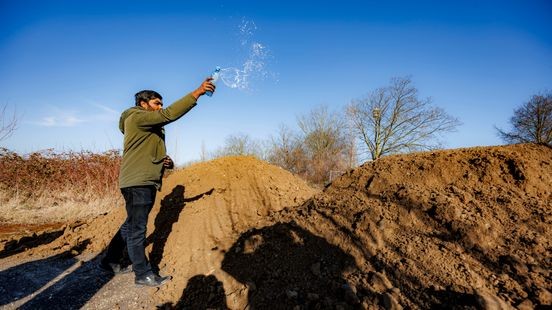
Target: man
144 160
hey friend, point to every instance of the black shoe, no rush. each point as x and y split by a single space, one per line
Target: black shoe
151 279
114 268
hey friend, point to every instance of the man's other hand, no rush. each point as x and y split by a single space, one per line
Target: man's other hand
168 162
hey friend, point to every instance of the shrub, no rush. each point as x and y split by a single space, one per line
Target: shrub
47 178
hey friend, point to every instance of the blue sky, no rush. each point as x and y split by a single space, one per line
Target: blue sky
69 68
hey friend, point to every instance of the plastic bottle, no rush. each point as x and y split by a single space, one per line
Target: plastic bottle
215 75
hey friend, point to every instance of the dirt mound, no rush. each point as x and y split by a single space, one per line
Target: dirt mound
198 215
468 227
203 209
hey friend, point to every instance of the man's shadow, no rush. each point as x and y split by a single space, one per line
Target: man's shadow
169 213
288 264
22 280
201 292
74 290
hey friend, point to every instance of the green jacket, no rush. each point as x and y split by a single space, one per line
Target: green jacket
144 142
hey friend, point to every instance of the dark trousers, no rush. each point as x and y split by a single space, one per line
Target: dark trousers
132 234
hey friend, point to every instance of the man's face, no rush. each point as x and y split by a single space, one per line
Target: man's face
152 105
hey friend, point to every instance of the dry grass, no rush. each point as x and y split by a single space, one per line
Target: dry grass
57 186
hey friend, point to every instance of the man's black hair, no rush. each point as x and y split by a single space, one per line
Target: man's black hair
146 95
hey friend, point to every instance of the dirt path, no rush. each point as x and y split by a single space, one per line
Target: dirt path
69 282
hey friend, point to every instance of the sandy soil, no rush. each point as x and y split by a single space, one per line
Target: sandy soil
460 229
466 228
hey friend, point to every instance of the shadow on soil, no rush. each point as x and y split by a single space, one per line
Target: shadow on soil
169 212
74 290
201 292
23 280
423 295
17 246
284 266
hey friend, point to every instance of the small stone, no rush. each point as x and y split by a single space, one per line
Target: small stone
315 269
328 302
538 269
380 282
544 296
252 287
530 260
313 296
395 292
488 300
350 296
527 304
390 303
291 294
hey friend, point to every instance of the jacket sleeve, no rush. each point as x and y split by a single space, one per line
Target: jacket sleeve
168 115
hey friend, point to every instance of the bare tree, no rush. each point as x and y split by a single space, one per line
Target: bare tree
203 154
9 123
321 147
286 151
325 142
532 122
393 119
240 144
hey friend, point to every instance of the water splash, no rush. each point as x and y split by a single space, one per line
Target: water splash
254 66
246 30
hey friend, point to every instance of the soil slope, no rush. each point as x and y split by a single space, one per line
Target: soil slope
468 228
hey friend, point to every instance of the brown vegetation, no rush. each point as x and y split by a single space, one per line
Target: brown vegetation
53 183
322 148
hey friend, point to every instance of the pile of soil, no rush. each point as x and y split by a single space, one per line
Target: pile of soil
466 229
201 212
197 216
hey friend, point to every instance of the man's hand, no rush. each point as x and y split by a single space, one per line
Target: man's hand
168 162
205 87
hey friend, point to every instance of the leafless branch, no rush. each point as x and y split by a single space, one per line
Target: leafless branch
9 123
393 119
532 122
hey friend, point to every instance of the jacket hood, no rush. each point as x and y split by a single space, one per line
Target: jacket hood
125 115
